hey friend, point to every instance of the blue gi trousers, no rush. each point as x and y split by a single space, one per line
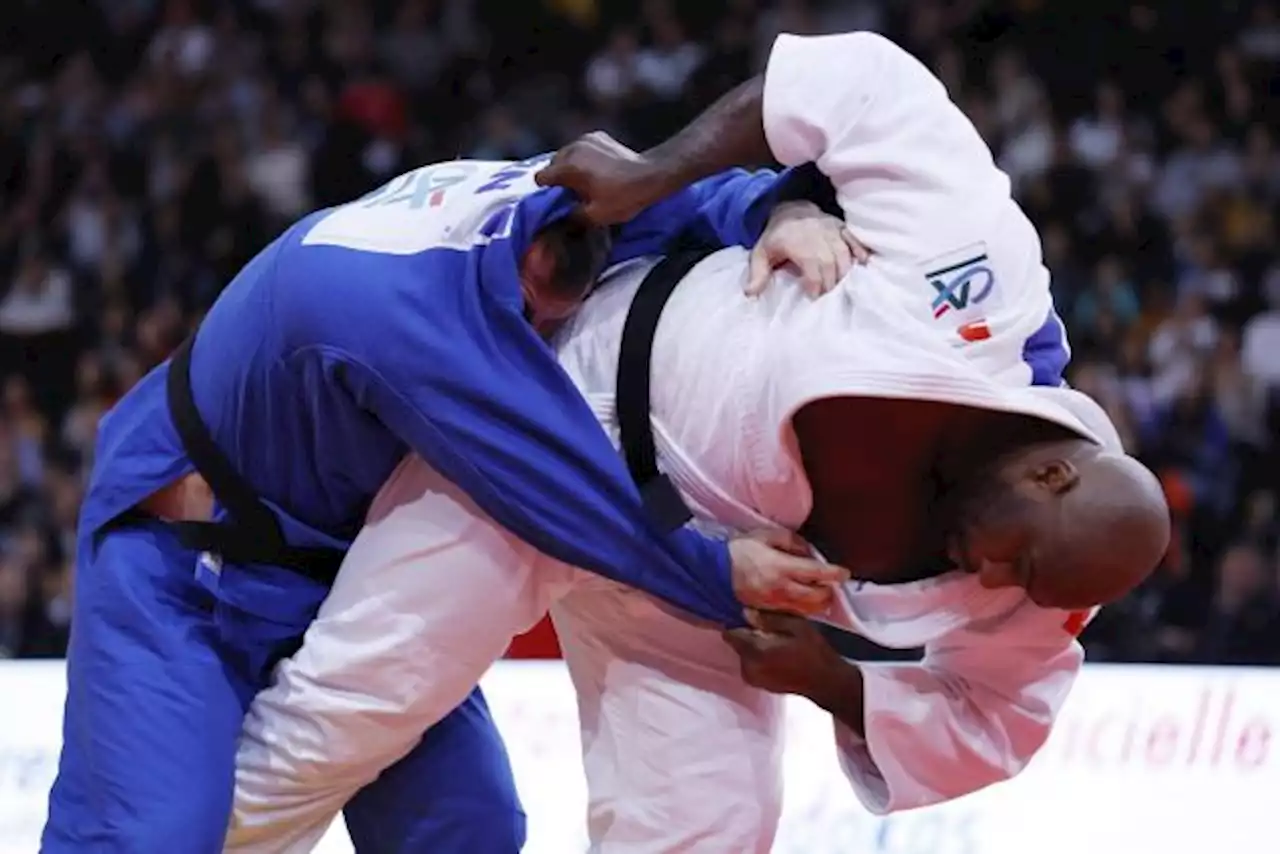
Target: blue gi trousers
161 670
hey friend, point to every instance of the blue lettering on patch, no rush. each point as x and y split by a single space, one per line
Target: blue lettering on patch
419 188
513 173
961 285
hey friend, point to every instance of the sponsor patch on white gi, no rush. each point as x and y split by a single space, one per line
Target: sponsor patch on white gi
960 281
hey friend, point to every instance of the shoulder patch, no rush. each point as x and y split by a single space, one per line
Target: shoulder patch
454 205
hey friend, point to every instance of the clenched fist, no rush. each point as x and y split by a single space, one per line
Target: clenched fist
774 571
613 182
783 654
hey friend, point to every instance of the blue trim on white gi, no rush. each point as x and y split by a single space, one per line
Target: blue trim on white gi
1047 352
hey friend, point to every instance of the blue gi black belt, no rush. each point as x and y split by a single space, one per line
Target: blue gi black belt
253 533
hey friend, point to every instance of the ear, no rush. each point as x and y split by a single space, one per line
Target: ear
1056 476
537 267
996 576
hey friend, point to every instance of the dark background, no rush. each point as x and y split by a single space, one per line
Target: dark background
149 148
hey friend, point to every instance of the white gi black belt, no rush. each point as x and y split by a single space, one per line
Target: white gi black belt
662 500
635 371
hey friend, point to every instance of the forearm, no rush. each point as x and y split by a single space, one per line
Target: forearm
808 102
731 208
730 133
572 500
523 444
842 692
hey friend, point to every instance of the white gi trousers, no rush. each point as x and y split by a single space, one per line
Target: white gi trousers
431 594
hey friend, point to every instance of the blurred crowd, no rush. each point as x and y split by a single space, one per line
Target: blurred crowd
148 148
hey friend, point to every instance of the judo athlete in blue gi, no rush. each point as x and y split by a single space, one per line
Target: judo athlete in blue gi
228 483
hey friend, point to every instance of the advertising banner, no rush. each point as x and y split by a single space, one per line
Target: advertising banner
1144 760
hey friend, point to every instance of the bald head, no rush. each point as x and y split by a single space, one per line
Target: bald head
1112 532
1074 525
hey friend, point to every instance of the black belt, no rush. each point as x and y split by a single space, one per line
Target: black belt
635 372
253 534
663 502
634 360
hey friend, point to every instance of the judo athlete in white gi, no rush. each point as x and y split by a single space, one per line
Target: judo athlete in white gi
912 423
229 482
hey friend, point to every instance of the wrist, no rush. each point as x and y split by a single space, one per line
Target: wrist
736 562
730 133
839 691
794 209
665 175
724 579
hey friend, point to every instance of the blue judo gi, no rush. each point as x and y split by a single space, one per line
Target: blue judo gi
335 352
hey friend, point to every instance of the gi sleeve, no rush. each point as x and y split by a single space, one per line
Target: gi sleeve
973 712
466 383
818 94
728 209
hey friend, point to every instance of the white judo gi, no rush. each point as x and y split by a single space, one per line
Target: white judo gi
680 754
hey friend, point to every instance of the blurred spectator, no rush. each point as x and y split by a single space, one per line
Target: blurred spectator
1136 387
183 43
413 48
504 138
39 302
1262 337
666 64
1261 38
94 396
1261 525
785 16
1019 97
1098 138
97 223
1069 278
148 148
48 624
1030 142
1261 178
1202 162
29 429
1188 437
612 77
1129 231
1099 380
1162 621
1179 345
277 169
850 15
18 498
1112 294
1242 626
13 605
